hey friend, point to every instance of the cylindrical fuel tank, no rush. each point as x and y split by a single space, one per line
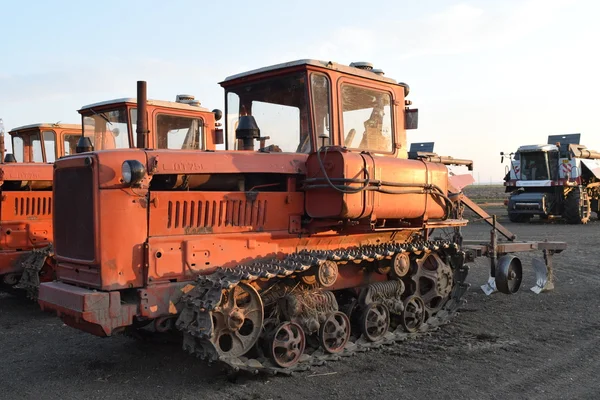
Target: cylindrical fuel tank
395 188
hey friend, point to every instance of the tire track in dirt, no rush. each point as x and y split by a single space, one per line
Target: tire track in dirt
570 373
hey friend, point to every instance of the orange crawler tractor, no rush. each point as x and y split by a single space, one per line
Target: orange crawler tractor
26 227
26 206
310 236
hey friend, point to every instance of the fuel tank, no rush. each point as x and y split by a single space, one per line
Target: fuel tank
349 185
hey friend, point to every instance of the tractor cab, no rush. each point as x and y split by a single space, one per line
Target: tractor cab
42 143
300 106
173 125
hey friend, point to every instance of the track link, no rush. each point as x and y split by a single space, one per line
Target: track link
195 320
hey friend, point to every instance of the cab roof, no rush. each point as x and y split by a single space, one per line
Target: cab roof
538 147
158 103
45 125
365 73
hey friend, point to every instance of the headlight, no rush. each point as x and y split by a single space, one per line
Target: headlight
133 172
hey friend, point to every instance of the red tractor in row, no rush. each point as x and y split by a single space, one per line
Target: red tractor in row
26 176
312 235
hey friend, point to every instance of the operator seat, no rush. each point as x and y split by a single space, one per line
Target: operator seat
373 138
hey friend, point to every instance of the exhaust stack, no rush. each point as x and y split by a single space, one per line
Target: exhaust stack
142 121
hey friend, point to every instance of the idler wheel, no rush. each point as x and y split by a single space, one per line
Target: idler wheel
327 273
286 344
413 315
509 274
237 321
334 332
400 264
375 321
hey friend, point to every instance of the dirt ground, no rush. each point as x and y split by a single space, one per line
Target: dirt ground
521 346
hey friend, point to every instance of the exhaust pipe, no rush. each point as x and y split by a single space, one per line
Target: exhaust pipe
142 121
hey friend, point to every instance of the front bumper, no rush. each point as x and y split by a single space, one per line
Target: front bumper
95 312
528 203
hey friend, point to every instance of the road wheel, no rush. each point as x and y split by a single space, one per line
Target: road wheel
514 217
577 207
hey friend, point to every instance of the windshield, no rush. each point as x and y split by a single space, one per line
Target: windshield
108 129
534 166
280 108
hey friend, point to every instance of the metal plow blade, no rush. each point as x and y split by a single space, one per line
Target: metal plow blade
543 277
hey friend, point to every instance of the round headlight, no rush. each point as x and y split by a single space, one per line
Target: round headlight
132 172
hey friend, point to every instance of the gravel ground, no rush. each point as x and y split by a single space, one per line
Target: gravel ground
521 346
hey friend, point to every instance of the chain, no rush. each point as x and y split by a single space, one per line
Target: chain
32 263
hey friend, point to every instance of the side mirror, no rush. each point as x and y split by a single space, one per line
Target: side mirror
501 157
411 118
218 114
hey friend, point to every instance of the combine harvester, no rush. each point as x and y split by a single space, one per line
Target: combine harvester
26 234
561 178
314 242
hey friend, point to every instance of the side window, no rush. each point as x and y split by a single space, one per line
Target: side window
50 145
71 144
367 119
133 119
176 132
17 145
320 96
36 147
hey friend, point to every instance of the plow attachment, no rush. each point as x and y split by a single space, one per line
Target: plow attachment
506 270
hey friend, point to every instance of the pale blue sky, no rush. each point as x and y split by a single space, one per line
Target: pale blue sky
485 75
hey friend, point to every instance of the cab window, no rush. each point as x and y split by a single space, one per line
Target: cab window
320 95
36 148
109 129
18 148
49 145
177 132
367 119
280 107
71 144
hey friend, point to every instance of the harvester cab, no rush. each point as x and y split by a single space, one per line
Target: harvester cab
558 179
314 222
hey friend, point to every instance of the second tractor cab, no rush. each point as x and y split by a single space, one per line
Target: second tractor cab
26 234
561 178
179 124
